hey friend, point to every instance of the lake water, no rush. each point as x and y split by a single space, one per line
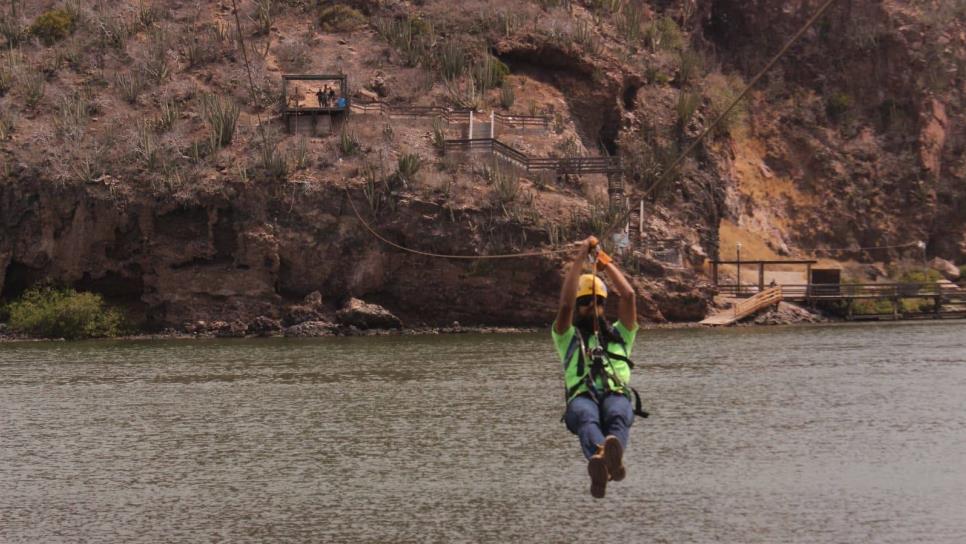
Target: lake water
825 434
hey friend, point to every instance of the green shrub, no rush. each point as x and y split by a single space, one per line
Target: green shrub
629 23
439 133
722 92
12 31
270 161
412 37
408 167
872 307
506 186
156 63
33 85
584 36
838 105
927 275
6 80
130 86
340 18
688 103
8 123
490 72
507 96
63 313
451 60
299 155
264 16
692 63
664 34
200 48
348 144
221 113
52 26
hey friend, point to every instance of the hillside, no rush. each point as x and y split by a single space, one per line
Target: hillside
144 158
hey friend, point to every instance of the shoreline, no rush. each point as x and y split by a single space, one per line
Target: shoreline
7 337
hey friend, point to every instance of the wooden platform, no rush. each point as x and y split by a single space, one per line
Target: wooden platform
745 308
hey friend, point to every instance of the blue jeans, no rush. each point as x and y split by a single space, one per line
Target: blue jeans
592 423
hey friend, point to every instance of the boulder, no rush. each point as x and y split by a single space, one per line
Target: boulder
946 268
313 300
235 329
875 271
787 314
363 315
371 96
312 329
300 313
264 326
378 85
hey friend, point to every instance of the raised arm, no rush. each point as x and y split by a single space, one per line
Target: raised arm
627 303
568 291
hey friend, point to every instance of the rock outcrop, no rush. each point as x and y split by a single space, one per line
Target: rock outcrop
363 315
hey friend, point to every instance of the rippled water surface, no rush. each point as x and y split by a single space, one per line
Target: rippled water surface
851 433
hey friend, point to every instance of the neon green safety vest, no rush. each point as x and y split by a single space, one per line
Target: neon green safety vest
577 368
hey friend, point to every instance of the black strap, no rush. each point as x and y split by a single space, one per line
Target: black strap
619 357
638 409
576 344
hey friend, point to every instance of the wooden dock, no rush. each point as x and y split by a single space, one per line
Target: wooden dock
769 297
948 300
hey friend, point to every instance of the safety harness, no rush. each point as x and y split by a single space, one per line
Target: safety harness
600 367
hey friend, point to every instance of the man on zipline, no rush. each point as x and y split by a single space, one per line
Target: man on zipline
596 363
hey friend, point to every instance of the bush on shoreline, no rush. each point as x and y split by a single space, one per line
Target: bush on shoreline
63 313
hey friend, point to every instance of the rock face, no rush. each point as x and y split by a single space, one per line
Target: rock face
312 329
787 314
946 268
360 314
854 140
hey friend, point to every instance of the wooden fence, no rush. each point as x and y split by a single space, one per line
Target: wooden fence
567 165
450 115
846 291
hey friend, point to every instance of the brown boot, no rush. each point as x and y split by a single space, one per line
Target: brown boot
597 468
613 454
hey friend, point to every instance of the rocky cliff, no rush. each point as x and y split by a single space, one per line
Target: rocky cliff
112 181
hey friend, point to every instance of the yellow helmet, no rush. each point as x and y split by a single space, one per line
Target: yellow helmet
591 285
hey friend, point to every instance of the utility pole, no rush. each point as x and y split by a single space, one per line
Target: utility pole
738 286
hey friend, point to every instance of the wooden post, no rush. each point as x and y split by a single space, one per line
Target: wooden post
761 276
895 308
808 283
714 272
640 225
492 126
848 310
937 309
470 135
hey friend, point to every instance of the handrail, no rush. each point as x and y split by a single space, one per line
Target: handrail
847 290
765 298
568 165
449 114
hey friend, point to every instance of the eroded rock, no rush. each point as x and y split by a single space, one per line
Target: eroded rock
312 329
264 326
363 315
944 267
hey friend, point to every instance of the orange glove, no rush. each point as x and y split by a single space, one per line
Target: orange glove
603 259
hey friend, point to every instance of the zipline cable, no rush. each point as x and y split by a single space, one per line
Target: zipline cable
666 175
386 241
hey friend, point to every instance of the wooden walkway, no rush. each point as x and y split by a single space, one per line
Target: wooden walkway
566 165
451 115
948 300
745 308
